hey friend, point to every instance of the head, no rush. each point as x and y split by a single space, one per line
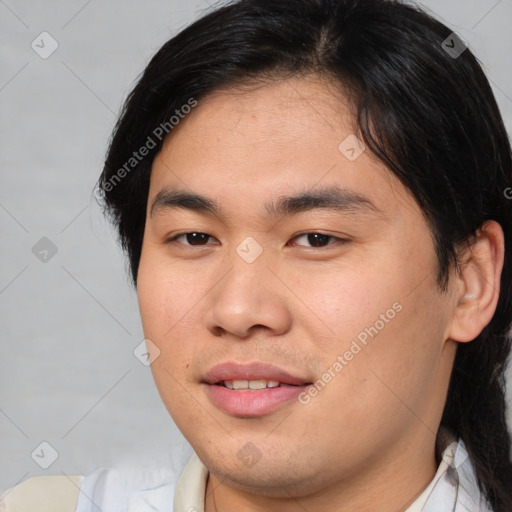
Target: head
342 179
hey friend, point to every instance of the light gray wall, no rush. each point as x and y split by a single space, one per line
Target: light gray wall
69 325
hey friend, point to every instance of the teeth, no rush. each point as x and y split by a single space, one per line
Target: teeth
257 384
240 384
250 384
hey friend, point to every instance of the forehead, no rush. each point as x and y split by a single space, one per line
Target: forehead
279 111
243 144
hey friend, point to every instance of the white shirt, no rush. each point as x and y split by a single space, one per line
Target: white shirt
453 489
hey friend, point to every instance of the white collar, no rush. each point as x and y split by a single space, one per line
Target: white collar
191 487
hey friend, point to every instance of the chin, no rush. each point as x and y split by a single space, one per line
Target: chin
275 477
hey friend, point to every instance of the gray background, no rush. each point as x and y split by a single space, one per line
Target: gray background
69 325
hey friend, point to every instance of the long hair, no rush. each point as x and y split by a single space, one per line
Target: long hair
426 111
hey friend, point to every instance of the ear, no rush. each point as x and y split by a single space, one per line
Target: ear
477 283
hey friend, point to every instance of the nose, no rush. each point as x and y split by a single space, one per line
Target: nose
248 298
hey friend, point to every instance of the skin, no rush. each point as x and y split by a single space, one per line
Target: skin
366 441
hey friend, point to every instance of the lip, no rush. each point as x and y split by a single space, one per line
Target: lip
251 371
251 404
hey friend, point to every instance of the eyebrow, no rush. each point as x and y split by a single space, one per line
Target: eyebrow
328 198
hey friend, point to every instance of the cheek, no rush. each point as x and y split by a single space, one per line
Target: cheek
167 294
164 318
338 301
390 361
165 301
384 320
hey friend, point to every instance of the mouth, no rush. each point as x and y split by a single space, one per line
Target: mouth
251 385
255 375
251 390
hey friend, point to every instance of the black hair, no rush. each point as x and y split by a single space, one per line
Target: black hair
423 107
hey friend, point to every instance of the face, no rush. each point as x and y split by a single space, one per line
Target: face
276 259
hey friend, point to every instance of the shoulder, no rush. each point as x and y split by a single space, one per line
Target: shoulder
128 489
43 494
106 489
132 486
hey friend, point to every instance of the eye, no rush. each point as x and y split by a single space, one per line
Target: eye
192 238
318 239
315 240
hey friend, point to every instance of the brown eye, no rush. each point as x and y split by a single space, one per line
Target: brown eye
193 238
317 239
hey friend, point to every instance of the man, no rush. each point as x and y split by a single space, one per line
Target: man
312 196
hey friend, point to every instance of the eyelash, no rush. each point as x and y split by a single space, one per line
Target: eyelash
342 240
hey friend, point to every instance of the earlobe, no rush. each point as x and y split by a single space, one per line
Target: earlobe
478 283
